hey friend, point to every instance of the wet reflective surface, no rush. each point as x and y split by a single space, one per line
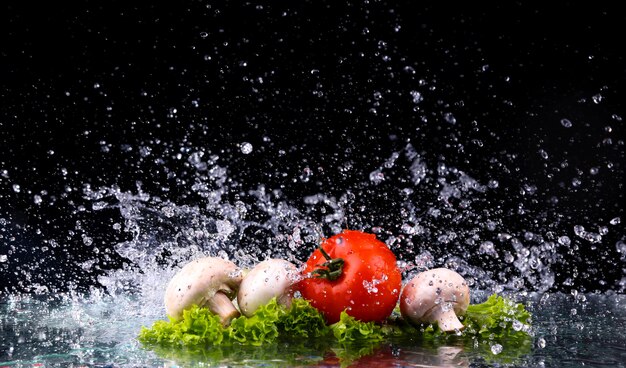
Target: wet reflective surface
568 331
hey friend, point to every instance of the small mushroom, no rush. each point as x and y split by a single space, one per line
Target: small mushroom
436 295
209 282
268 279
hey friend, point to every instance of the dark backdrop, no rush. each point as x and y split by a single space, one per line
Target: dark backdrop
95 93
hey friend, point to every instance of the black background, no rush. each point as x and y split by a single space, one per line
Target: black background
327 82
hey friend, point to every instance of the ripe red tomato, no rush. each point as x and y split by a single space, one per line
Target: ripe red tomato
367 286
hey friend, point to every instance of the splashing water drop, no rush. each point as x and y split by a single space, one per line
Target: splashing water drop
541 342
496 349
449 118
377 176
246 148
564 240
416 97
579 230
597 98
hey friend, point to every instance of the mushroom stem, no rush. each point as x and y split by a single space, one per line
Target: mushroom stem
447 320
221 305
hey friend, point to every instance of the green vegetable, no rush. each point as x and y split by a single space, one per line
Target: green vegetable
302 320
497 318
348 330
260 328
199 327
298 332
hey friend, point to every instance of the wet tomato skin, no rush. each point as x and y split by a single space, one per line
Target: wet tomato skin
369 286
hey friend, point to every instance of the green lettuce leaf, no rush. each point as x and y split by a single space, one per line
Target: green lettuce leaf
303 320
261 328
348 330
197 327
497 318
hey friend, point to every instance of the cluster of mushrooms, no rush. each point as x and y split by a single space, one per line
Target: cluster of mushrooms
434 296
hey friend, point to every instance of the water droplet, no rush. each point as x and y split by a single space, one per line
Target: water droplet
377 176
449 118
204 34
306 175
541 342
416 96
564 240
579 230
246 148
597 98
496 349
493 184
566 123
3 258
16 188
37 199
87 240
615 221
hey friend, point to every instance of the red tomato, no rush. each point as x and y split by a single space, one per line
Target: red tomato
368 285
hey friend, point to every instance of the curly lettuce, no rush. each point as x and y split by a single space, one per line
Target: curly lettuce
348 329
496 319
199 327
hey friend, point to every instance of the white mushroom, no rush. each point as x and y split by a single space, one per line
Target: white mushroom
436 295
268 279
209 282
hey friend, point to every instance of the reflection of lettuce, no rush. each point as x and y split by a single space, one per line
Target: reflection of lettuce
301 328
293 354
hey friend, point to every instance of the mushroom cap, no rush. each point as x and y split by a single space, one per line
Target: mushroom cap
198 281
433 293
268 279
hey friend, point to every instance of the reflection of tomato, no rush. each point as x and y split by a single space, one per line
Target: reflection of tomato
362 278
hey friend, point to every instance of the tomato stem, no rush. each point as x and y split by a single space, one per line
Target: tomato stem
333 267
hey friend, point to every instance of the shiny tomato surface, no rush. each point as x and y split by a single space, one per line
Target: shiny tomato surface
369 285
